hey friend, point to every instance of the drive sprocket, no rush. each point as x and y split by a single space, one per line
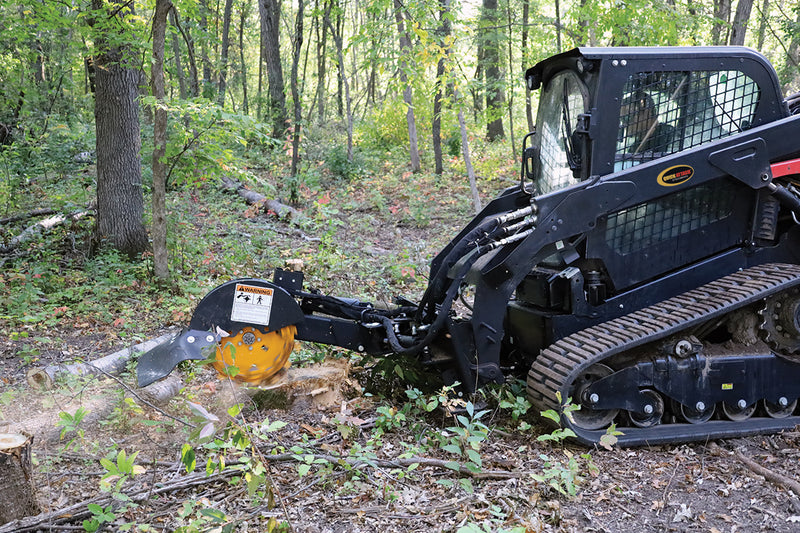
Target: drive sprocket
780 324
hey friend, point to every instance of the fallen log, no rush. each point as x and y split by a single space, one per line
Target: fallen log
19 496
43 378
35 229
283 211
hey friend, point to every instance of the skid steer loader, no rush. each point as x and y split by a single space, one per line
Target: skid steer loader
646 266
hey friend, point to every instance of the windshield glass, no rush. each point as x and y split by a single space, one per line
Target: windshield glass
561 102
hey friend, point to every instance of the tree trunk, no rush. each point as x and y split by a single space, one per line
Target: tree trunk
405 50
337 38
495 94
792 65
476 199
322 44
762 26
176 56
16 483
226 41
510 107
436 126
160 257
242 21
270 11
206 62
739 28
720 29
526 60
120 201
297 104
194 82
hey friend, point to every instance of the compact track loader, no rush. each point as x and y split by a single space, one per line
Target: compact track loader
647 265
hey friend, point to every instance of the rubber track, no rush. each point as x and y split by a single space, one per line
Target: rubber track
558 365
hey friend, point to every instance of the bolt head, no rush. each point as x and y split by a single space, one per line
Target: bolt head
594 398
648 409
209 338
742 403
190 339
783 401
700 406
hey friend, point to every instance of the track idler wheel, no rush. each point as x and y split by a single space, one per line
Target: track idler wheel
697 413
781 409
586 417
253 356
739 411
654 410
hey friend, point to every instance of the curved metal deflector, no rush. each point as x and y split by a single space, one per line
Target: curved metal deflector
188 345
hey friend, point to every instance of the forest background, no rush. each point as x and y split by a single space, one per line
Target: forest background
380 126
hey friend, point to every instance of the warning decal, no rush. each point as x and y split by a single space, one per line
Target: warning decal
252 305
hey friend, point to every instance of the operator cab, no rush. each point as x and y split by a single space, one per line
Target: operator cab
603 110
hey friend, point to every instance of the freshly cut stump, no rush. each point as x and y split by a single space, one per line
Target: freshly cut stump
16 483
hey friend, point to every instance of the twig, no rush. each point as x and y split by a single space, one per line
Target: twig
664 496
768 474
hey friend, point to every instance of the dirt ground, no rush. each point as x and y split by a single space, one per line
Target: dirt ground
699 487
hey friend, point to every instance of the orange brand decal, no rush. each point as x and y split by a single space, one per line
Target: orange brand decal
675 175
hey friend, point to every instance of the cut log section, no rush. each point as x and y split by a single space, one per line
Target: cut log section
16 487
44 378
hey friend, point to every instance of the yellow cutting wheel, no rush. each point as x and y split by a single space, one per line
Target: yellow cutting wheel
257 355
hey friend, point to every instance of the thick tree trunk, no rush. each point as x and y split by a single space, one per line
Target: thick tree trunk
160 261
405 47
16 483
495 94
740 20
270 11
120 201
226 42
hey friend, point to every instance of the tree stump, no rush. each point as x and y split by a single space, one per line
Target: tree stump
16 483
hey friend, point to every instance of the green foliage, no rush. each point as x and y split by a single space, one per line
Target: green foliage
100 516
70 423
469 434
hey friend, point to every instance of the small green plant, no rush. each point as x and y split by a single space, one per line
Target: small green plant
564 475
469 434
99 517
118 469
70 423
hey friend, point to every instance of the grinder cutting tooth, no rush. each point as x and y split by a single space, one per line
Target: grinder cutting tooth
254 354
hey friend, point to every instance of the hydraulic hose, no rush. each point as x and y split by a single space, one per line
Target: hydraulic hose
486 230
